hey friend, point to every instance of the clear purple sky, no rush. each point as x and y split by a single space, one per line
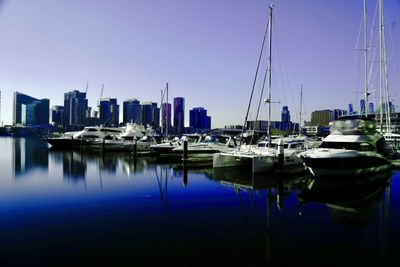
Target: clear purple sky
207 50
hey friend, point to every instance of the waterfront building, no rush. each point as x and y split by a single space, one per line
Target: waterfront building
371 108
29 110
285 115
179 114
166 116
132 111
338 112
75 108
262 125
150 114
321 117
351 110
109 111
362 106
57 115
199 119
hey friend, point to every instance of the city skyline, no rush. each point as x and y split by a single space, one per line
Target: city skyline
207 52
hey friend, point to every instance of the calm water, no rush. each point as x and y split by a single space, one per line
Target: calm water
72 208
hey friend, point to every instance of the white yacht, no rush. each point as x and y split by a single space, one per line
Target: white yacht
92 136
353 147
204 150
166 147
263 157
82 138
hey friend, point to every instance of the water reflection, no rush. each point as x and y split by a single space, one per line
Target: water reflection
352 201
176 212
28 156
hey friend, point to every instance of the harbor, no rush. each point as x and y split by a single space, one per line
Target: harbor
111 209
199 133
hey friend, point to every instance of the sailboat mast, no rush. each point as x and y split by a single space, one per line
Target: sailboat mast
168 110
269 71
162 112
381 62
301 103
366 60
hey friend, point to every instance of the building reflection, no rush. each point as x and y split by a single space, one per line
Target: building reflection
29 155
74 166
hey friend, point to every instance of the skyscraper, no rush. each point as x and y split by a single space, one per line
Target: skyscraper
351 111
29 110
109 111
150 114
362 106
57 115
131 111
179 114
199 119
75 107
285 116
371 108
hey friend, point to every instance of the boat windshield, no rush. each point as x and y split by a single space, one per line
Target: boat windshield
353 126
216 139
348 145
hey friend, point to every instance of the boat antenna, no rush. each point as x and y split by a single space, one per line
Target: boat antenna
254 81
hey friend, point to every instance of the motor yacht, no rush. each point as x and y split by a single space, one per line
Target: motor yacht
352 148
204 150
166 147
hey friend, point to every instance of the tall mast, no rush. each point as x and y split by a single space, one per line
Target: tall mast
381 62
162 111
366 60
301 103
168 110
269 71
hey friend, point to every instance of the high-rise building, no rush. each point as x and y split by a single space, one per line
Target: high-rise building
179 114
199 119
338 112
57 115
132 111
321 117
109 111
150 114
351 110
285 115
166 115
371 108
29 110
75 108
362 106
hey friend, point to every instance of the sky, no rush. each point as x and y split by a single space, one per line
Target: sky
206 50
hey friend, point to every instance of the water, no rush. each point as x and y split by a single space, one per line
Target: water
72 208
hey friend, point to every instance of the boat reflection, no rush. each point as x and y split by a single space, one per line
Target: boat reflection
351 201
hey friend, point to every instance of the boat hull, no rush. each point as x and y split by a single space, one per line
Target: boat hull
347 166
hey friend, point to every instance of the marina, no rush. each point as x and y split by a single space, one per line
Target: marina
111 208
213 133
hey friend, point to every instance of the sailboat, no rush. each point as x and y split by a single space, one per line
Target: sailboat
263 157
354 147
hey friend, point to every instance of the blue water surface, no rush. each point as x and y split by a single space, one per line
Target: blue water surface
77 208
